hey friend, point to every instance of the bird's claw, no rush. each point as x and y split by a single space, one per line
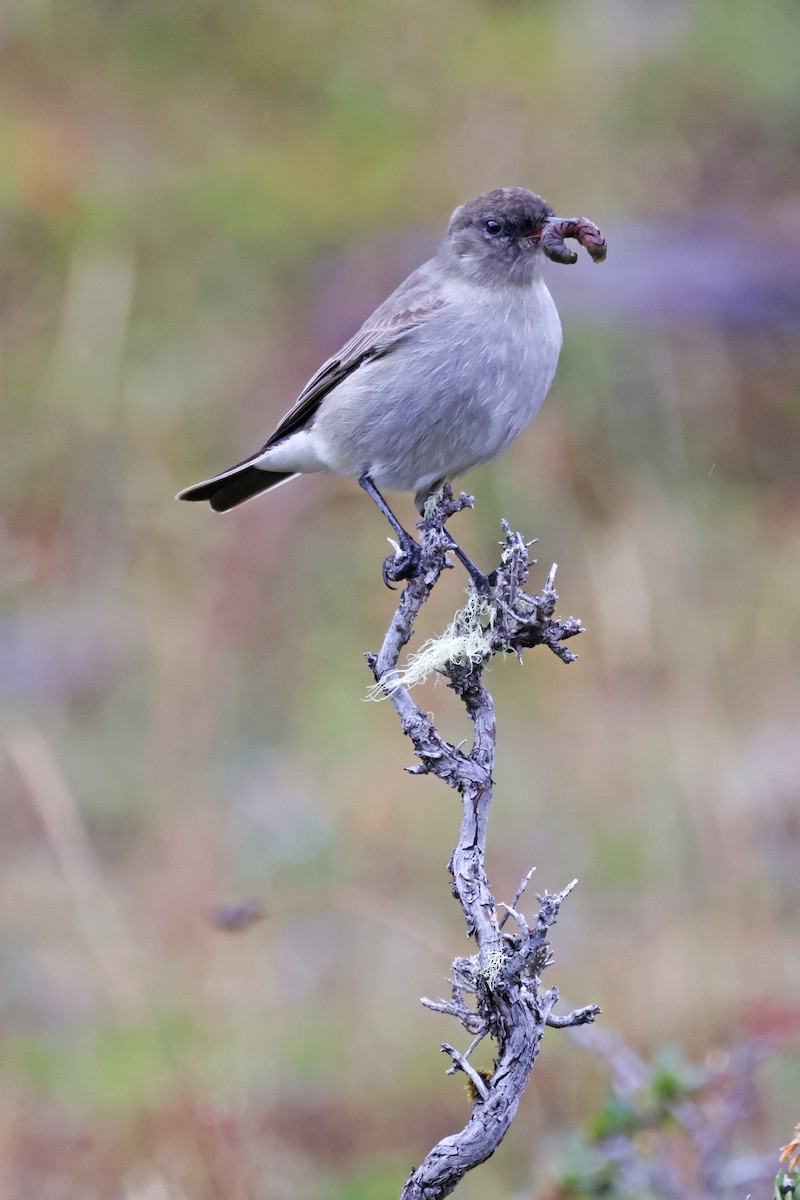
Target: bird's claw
403 564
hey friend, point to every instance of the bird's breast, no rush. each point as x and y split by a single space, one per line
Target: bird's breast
520 341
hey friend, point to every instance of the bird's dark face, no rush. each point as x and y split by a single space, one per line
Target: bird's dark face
496 236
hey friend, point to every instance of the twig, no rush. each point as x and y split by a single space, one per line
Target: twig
578 1016
460 1063
517 897
504 977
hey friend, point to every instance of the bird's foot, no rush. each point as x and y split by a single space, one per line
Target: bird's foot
404 563
483 583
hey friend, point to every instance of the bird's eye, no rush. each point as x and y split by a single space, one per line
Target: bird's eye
492 226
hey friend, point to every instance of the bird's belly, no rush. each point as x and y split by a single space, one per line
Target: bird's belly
433 409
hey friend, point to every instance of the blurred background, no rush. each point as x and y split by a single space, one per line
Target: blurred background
198 202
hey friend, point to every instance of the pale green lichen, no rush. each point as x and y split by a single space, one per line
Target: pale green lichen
431 504
494 965
467 639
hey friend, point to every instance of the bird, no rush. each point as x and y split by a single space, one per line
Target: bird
441 378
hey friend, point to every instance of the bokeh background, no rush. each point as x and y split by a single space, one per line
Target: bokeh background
198 201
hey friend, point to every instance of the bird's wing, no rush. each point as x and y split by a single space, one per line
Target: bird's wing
405 310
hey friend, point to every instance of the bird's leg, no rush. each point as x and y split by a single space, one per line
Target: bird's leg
403 564
480 581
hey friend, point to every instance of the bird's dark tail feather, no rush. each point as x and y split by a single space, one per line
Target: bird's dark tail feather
234 487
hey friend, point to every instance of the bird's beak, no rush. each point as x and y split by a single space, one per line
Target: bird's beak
537 236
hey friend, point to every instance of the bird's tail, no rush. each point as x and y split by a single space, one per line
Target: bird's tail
235 486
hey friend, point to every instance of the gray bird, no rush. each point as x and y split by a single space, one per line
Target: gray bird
442 377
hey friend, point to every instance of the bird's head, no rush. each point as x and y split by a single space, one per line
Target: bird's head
496 237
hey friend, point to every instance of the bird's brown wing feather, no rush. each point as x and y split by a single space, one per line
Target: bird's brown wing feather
370 342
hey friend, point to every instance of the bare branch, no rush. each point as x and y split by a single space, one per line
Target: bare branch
503 978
